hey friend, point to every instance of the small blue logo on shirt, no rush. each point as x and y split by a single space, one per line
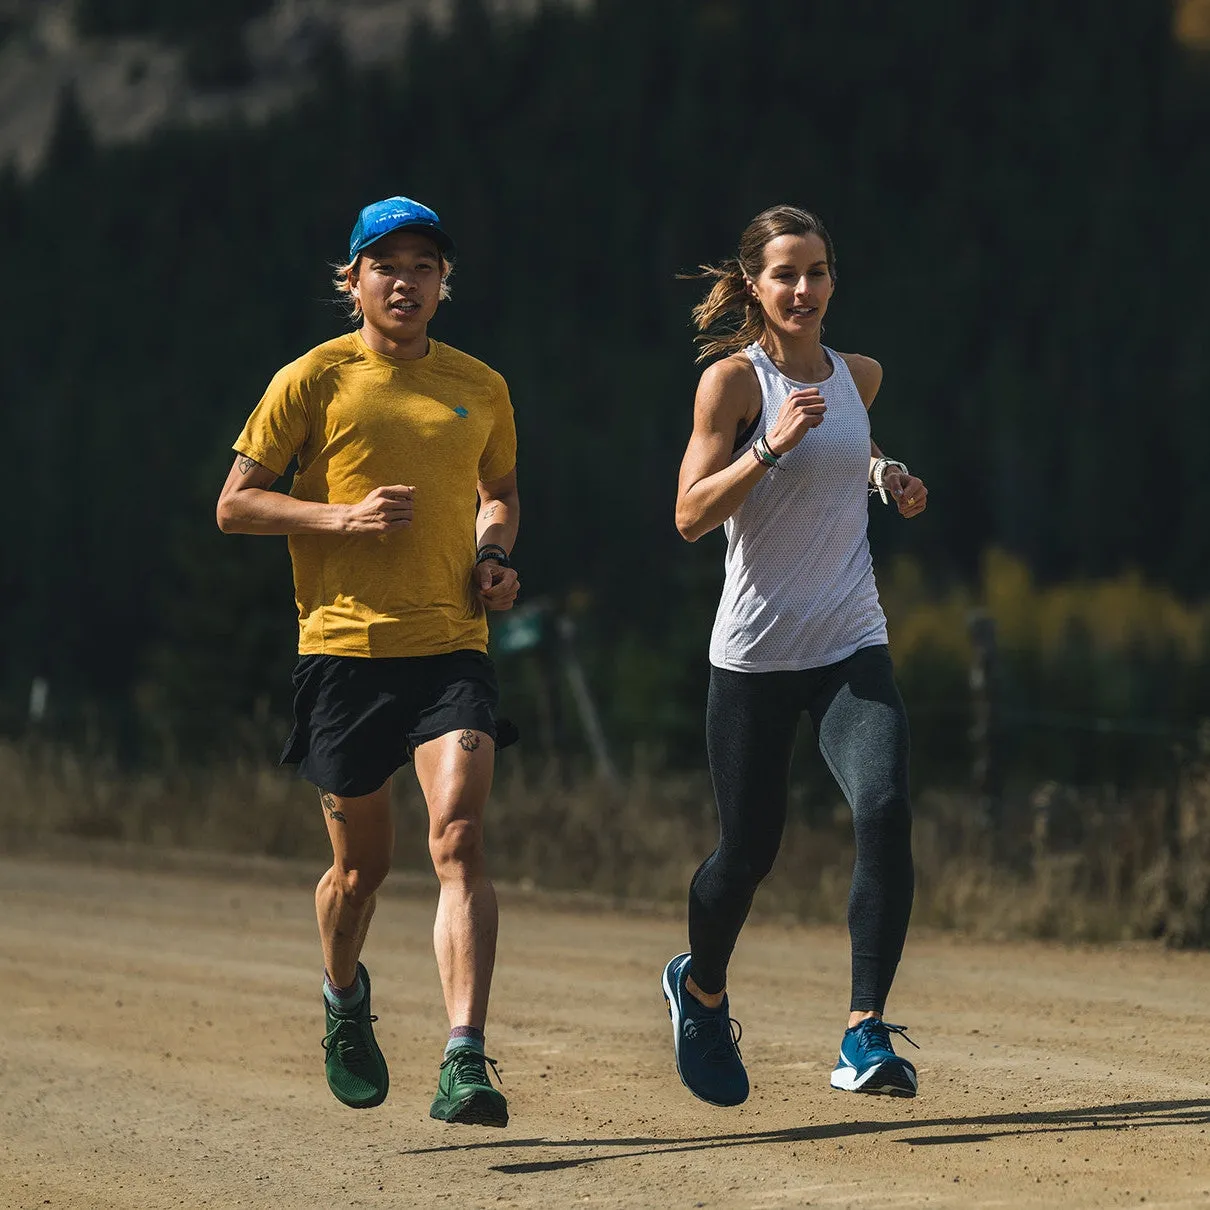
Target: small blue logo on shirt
461 411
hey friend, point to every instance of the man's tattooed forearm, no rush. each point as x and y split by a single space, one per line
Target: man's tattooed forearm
468 741
329 805
490 511
246 464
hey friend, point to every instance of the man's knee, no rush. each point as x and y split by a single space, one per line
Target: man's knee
356 884
456 847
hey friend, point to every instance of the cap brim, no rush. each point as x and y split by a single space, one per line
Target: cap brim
444 244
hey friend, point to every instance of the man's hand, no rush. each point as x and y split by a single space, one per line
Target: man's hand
497 586
385 509
907 491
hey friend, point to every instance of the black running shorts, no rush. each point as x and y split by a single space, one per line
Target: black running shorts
357 720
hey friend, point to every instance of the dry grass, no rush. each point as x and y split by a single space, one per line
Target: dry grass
1077 867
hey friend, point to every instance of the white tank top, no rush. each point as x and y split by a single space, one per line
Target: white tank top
799 590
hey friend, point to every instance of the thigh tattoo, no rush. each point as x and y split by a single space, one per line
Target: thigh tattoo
468 741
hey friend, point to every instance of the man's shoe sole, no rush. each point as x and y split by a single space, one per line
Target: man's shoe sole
479 1109
371 1104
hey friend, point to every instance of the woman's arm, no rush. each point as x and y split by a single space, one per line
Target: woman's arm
712 486
910 494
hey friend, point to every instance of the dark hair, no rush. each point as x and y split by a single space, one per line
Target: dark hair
729 293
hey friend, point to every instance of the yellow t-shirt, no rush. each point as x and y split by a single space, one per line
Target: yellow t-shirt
358 420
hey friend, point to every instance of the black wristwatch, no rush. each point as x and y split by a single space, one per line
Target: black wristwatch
497 554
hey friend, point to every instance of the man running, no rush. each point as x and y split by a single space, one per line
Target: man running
395 434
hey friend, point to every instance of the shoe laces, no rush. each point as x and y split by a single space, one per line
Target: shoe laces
470 1067
350 1044
720 1036
879 1031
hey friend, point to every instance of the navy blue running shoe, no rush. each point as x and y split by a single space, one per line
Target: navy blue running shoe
868 1063
706 1044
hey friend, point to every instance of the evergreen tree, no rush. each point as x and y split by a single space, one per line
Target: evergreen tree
1016 195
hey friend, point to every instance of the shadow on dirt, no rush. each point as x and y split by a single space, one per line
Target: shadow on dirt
1128 1115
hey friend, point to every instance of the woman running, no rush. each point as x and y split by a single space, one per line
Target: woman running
781 457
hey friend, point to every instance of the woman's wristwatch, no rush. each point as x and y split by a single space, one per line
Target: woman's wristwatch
878 470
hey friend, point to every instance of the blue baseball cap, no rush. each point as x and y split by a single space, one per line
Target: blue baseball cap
396 214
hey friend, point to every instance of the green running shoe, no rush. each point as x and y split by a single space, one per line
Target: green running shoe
357 1072
464 1093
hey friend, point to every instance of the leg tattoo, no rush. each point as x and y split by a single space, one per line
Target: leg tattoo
329 805
468 741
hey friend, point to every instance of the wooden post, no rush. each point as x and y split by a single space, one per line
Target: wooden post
590 720
984 732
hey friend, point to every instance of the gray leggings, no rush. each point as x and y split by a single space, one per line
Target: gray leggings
862 729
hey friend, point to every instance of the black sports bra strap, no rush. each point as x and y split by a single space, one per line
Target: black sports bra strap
746 435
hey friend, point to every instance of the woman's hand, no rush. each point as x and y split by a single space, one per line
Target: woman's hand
802 411
908 492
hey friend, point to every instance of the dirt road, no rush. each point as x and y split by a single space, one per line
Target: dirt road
162 1049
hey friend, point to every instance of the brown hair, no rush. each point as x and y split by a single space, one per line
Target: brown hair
342 279
729 293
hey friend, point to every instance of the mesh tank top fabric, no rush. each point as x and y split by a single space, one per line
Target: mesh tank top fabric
799 588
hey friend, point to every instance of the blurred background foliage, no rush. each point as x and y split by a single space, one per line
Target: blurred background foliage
1017 195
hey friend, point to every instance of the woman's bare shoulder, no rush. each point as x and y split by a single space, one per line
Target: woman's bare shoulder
730 385
867 374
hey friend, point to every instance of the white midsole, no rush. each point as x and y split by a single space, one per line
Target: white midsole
670 996
848 1078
